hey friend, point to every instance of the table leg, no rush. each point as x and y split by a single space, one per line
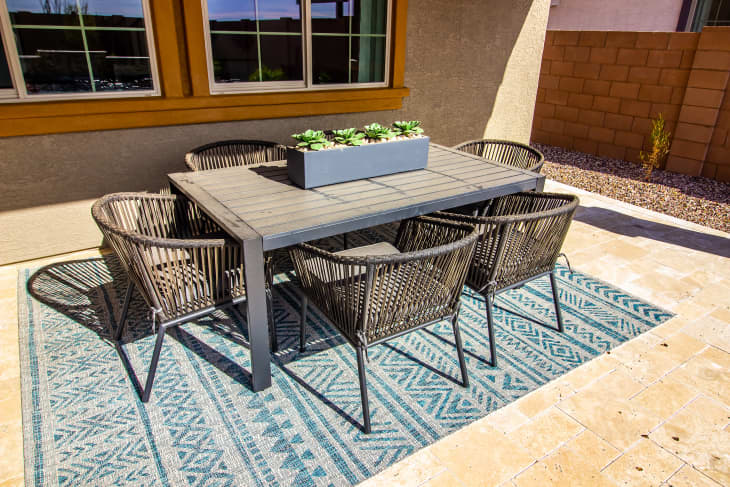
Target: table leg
540 184
257 316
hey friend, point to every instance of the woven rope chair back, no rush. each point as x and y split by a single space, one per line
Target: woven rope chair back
158 241
374 297
520 239
232 153
505 152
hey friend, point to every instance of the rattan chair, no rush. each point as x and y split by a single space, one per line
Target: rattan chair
520 241
505 152
179 260
378 292
512 154
231 153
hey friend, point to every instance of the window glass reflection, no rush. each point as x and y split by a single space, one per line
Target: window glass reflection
235 57
53 61
330 60
118 13
6 81
255 40
81 46
368 60
119 60
350 16
281 58
43 12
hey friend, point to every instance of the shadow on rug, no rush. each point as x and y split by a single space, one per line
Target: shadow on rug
84 424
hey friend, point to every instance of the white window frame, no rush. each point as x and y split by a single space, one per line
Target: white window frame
306 84
20 93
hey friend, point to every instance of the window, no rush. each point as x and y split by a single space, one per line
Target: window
6 81
711 13
100 54
267 45
77 48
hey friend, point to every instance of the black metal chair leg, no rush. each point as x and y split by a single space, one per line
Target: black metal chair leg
272 324
363 390
153 364
460 350
490 329
344 241
558 313
303 324
125 308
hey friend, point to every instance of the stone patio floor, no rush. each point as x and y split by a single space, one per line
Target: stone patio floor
654 411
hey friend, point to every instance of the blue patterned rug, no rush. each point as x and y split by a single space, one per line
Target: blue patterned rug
84 425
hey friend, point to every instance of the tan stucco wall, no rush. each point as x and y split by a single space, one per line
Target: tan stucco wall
621 15
472 67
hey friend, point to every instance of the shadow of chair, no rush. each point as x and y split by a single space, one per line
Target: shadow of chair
90 293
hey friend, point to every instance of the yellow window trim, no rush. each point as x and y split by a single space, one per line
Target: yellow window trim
185 90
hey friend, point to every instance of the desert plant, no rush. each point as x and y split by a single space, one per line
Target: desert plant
659 146
349 137
312 140
375 131
409 128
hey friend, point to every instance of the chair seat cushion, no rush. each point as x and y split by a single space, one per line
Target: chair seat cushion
380 248
337 273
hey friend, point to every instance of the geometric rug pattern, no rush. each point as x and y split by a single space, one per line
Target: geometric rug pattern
203 426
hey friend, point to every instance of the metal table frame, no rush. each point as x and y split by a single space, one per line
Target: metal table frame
192 185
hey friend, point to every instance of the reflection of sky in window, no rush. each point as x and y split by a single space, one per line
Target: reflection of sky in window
128 8
244 9
328 10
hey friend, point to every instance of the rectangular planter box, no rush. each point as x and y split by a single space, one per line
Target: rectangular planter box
320 168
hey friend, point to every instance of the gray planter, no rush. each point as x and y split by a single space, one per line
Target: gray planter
320 168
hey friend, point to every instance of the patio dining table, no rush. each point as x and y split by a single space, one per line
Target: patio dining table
262 209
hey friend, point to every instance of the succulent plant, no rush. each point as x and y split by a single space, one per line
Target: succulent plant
349 137
375 131
312 140
409 128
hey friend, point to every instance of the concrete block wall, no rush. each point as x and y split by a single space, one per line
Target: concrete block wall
599 91
701 145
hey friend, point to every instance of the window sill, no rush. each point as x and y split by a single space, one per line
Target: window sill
37 118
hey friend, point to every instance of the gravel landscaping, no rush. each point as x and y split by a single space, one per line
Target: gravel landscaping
700 200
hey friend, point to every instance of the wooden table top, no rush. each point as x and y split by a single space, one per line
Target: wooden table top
260 200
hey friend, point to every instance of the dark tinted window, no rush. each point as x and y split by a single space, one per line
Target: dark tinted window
348 41
92 45
5 79
256 41
330 57
53 61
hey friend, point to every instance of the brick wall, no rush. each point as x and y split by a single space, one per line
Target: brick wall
718 155
599 91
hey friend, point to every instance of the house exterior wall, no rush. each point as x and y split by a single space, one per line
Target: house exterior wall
472 68
621 15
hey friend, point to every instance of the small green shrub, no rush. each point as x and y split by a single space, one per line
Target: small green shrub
312 140
349 137
409 128
375 131
659 146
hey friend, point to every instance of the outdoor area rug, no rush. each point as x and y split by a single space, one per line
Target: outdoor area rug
84 424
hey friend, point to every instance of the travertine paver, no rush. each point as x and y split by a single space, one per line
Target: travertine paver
671 382
610 422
